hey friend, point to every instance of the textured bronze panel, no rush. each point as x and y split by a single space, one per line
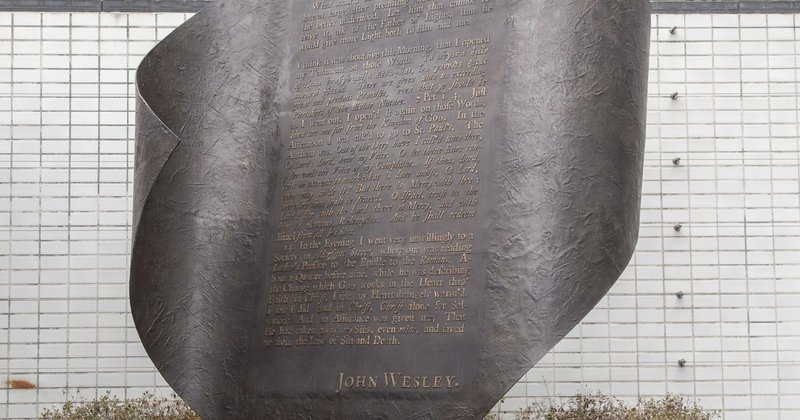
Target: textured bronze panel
191 6
381 208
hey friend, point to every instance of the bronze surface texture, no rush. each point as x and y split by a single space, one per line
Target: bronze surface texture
381 209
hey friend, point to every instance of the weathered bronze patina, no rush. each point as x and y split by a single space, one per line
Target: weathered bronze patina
381 209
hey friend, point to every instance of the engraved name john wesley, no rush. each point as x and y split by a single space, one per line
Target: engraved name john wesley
397 380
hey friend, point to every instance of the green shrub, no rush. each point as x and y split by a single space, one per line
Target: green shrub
603 407
146 407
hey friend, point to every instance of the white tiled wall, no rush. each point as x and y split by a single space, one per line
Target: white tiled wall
66 156
66 144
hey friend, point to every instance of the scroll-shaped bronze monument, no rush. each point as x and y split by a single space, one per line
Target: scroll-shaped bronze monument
381 209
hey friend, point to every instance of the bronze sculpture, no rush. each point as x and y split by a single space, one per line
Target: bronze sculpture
381 209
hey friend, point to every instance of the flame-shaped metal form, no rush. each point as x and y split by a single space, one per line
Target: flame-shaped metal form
382 209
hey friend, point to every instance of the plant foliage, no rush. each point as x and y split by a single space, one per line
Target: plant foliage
603 407
579 407
107 407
